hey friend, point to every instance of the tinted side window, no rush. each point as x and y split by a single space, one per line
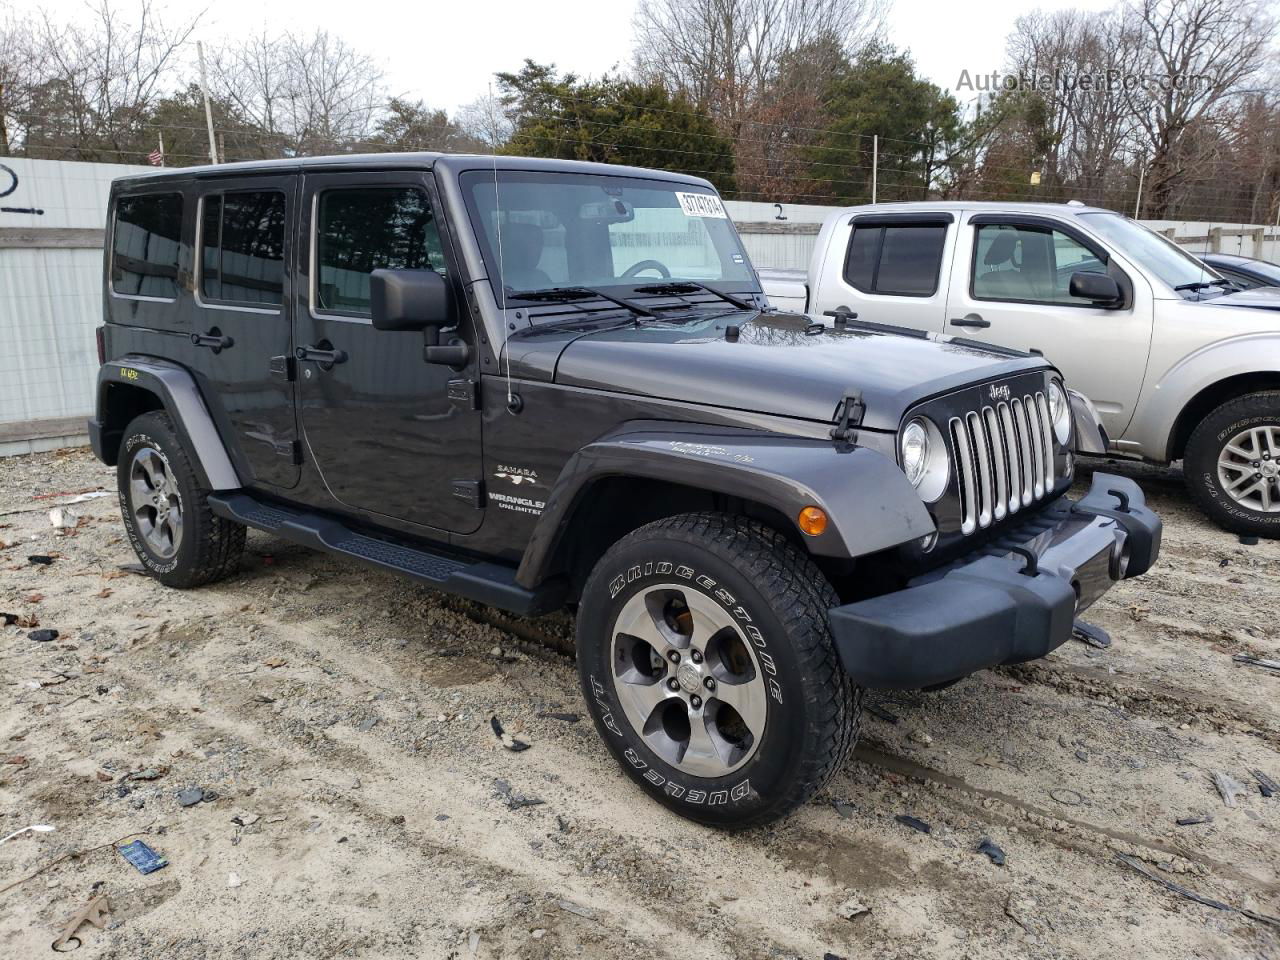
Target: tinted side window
366 229
910 260
902 260
242 248
146 238
1029 263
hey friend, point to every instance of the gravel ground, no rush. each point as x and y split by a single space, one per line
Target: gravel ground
358 804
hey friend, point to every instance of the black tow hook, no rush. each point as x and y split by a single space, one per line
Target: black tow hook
1032 566
1123 498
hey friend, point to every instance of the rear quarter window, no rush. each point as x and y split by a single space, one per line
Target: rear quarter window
146 238
902 260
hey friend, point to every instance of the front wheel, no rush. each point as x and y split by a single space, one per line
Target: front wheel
708 665
1232 464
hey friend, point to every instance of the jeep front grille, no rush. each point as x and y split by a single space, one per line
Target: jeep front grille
1004 459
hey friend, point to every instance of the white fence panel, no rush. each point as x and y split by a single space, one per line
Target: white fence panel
51 219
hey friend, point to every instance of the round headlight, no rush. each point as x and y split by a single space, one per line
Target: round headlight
1060 412
915 451
925 459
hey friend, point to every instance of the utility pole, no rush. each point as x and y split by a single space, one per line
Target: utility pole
208 110
875 163
1142 170
4 131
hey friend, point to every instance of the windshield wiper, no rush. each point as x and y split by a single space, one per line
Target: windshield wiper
569 294
678 287
1202 285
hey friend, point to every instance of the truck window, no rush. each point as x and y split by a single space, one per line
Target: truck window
363 229
901 260
1029 264
242 248
145 242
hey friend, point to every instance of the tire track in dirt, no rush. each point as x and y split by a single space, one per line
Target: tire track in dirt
1053 826
1149 698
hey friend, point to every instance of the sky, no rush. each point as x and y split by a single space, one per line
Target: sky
446 53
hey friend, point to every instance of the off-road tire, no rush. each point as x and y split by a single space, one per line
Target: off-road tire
761 579
1200 464
210 547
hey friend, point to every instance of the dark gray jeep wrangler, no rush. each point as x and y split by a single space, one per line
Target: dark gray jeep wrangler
542 384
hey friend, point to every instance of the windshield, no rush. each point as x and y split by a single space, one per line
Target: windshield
1148 249
544 231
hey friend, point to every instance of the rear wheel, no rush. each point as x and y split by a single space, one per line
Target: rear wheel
708 665
1232 464
166 511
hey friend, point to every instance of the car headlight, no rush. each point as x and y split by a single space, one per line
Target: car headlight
925 460
1060 412
915 451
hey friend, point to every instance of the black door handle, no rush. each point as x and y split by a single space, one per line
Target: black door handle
324 355
970 320
215 340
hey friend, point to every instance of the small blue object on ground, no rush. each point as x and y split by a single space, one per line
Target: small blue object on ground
143 857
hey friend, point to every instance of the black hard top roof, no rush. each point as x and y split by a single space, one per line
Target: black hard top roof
456 163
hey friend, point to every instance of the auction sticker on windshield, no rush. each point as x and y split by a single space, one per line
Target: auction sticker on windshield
702 205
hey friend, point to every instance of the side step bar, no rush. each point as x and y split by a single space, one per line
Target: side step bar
488 583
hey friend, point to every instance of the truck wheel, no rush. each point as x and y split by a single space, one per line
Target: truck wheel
166 510
707 662
1232 464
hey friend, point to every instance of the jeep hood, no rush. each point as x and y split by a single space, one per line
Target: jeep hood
776 366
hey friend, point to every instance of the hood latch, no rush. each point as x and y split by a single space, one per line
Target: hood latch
849 416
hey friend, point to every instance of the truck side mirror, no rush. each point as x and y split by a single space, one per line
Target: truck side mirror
1096 287
410 300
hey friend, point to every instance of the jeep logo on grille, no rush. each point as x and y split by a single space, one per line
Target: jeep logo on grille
999 392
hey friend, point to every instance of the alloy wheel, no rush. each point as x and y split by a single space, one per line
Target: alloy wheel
689 682
1249 468
155 503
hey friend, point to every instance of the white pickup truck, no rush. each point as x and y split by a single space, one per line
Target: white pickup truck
1180 364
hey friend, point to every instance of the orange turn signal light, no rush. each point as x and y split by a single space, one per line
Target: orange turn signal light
813 521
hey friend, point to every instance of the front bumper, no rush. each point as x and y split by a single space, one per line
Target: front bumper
1004 606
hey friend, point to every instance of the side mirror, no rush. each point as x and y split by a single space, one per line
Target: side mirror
1096 287
410 300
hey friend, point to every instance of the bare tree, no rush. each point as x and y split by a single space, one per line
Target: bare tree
314 92
725 55
1074 61
100 77
1197 56
485 120
17 74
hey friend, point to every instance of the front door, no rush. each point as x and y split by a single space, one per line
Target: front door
1011 286
377 419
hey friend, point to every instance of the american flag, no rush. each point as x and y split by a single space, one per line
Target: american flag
156 158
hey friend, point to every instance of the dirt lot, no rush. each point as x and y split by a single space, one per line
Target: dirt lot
364 807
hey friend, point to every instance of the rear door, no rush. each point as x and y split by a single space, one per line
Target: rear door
1010 286
391 434
890 268
241 319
